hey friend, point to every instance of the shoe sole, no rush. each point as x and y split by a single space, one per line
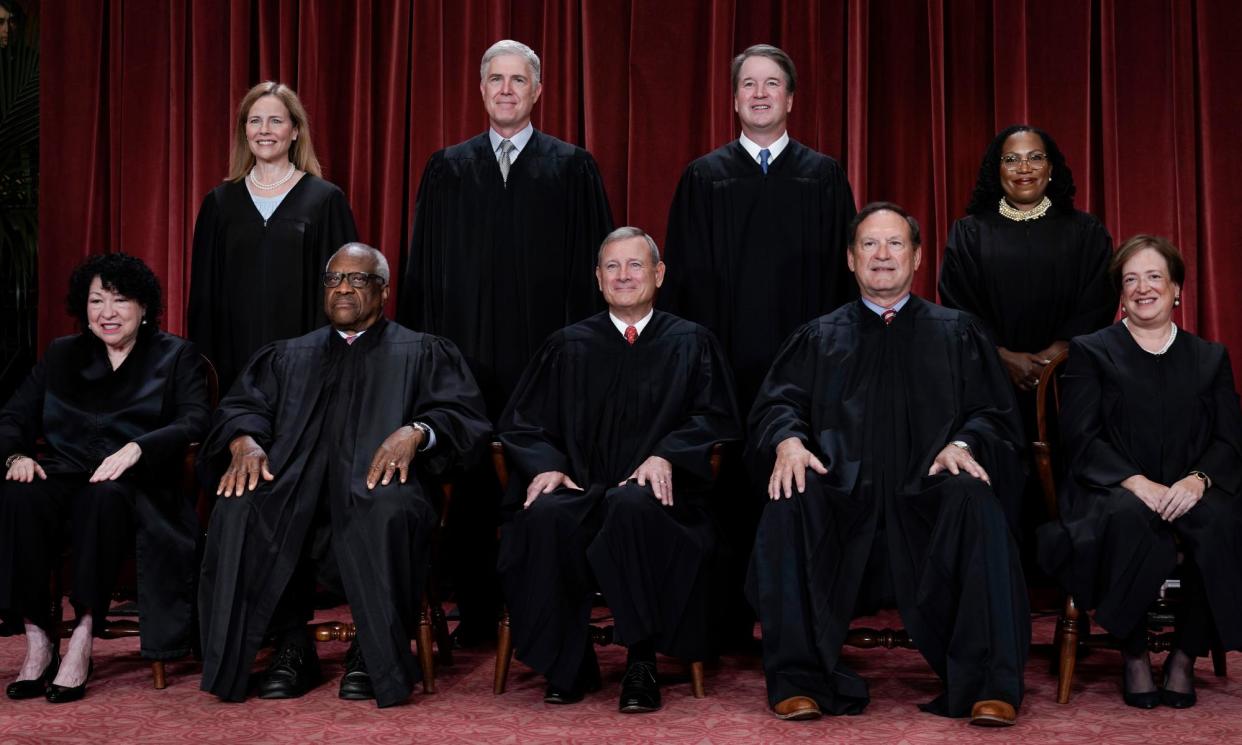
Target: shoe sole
805 715
637 709
357 696
991 721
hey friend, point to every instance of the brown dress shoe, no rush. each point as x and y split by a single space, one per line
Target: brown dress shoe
992 713
797 708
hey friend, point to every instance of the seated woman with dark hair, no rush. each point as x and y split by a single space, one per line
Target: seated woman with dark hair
116 406
1153 440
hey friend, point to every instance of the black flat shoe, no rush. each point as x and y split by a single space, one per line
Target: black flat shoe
356 683
294 670
640 691
20 690
63 694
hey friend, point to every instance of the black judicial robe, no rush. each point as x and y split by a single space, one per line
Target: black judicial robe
1125 411
254 281
86 411
1033 282
321 408
496 267
595 407
753 256
876 404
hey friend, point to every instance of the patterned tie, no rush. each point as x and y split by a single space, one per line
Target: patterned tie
764 154
506 147
631 334
888 316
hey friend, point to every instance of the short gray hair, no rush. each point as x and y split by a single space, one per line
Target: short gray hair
625 233
381 263
509 46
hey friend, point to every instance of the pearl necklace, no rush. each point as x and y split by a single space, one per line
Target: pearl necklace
275 184
1035 213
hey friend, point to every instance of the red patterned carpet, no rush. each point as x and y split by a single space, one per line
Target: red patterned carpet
122 707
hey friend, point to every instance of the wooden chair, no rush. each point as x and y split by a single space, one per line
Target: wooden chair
1073 634
120 628
601 635
432 622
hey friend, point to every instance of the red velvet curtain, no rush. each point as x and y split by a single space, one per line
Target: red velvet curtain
138 96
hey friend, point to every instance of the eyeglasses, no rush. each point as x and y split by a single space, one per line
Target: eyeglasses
1036 161
357 280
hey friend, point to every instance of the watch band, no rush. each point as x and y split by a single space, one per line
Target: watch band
9 461
426 434
1207 480
962 444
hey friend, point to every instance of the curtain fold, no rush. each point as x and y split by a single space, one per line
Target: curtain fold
137 109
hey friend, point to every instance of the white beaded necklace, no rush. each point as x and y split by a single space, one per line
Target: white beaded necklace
275 184
1034 213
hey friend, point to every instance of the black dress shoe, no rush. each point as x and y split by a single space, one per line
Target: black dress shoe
356 683
588 682
1146 700
24 689
640 692
293 671
1174 699
64 694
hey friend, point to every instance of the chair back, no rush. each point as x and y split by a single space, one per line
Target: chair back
1047 420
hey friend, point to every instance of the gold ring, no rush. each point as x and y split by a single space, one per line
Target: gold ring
392 462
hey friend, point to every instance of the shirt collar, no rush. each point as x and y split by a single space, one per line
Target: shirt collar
519 141
879 309
346 335
774 149
642 323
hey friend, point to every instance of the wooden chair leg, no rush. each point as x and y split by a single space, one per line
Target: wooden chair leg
696 679
1069 649
426 658
444 642
1218 660
504 654
157 674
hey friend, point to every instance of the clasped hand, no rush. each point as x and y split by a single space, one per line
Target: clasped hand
655 471
1169 502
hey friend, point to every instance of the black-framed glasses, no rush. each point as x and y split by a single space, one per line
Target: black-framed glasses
1036 161
357 280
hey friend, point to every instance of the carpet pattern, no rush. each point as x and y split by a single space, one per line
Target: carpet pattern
122 707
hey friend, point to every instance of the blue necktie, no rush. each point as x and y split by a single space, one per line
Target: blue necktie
764 154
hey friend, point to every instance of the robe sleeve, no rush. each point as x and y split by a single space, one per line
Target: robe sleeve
590 219
1092 458
190 411
530 427
21 419
204 279
411 302
712 416
1096 298
783 407
1222 461
688 252
961 281
249 408
835 226
449 401
990 421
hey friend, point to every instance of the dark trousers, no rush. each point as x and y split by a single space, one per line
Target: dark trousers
38 519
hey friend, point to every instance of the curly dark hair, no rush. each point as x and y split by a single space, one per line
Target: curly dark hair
120 273
988 189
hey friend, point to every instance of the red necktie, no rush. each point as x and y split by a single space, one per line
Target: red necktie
631 334
888 316
351 339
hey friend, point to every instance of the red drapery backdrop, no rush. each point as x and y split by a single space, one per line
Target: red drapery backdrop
137 102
